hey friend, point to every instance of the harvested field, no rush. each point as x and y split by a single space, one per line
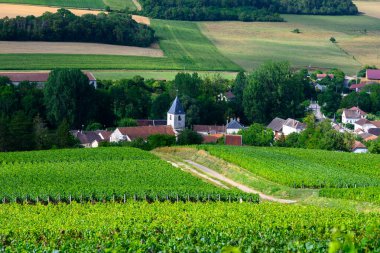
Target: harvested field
14 10
22 47
369 8
251 44
141 19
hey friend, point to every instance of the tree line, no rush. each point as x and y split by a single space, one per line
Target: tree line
64 26
243 10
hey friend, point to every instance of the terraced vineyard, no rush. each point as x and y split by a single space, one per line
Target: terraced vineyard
190 227
110 174
301 168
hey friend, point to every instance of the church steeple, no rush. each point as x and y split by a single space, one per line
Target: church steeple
176 115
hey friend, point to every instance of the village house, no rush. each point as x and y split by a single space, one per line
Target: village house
368 136
234 126
40 78
292 126
372 76
350 116
133 133
363 124
359 147
276 125
91 139
322 76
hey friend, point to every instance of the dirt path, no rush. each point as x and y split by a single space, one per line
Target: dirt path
241 187
138 5
185 167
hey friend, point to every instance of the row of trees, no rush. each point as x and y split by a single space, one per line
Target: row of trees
114 28
245 10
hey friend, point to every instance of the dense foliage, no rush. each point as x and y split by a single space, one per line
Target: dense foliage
117 174
244 10
304 168
64 26
274 90
166 227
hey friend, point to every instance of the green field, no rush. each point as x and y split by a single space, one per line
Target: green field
106 174
300 168
82 4
368 194
185 48
157 75
166 227
250 44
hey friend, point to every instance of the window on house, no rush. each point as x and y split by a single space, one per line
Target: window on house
179 118
170 117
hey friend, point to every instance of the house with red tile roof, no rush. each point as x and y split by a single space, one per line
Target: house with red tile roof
133 133
359 147
353 114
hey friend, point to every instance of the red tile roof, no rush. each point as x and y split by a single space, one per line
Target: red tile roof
209 128
213 138
376 123
234 140
145 131
321 76
39 77
373 74
357 86
357 145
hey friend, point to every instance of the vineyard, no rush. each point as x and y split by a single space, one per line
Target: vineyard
301 168
184 227
101 175
368 194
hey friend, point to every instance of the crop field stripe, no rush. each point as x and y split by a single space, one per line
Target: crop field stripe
166 227
86 4
104 174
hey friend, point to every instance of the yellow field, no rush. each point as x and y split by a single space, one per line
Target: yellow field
369 8
14 10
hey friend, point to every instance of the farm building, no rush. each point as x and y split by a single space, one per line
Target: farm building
292 126
39 77
91 139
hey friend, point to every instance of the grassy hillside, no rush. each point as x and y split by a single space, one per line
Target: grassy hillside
250 44
185 48
86 4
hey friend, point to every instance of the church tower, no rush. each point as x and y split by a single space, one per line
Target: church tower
176 115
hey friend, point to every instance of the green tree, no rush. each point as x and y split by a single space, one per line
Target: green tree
94 126
63 137
189 137
68 95
41 134
4 135
127 122
273 90
361 99
160 106
374 146
257 135
21 132
161 140
187 84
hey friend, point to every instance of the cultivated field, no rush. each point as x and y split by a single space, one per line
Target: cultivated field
14 10
250 44
184 47
85 4
369 8
21 47
190 227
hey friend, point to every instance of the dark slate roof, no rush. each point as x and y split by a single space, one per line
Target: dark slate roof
233 124
176 107
374 131
86 137
276 124
294 124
